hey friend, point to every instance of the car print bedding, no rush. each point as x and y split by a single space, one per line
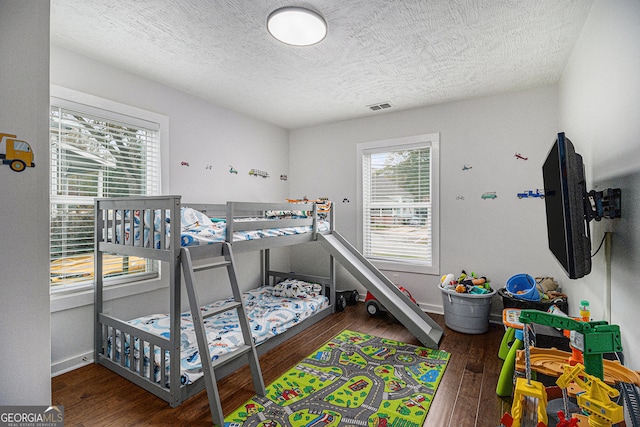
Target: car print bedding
271 311
198 229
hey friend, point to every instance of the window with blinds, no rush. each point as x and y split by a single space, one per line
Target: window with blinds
398 181
94 156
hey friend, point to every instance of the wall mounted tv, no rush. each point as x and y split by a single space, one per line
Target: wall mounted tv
569 207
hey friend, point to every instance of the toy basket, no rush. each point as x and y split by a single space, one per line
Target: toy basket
466 313
523 286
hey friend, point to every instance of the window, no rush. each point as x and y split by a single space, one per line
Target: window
95 153
399 199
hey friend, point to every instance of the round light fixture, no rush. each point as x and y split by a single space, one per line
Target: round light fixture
296 26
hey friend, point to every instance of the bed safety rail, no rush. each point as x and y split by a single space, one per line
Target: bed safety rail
132 353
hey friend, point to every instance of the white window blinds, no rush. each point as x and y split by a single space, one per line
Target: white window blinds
93 156
398 204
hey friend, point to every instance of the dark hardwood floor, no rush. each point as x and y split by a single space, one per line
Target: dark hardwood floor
94 396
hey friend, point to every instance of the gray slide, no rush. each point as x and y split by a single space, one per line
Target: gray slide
399 305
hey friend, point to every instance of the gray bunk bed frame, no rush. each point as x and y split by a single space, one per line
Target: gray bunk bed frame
111 221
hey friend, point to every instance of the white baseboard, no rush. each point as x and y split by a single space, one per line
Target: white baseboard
70 364
431 308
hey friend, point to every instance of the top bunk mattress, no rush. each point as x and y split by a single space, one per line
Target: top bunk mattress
198 229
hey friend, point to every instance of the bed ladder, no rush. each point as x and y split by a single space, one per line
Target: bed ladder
248 350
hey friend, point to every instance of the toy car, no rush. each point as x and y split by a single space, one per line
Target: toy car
374 307
489 195
344 298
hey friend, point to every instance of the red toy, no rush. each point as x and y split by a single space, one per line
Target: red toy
373 305
566 422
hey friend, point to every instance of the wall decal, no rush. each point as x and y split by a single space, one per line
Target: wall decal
489 195
15 152
527 194
345 200
184 163
520 156
257 172
459 197
283 177
233 170
208 167
466 167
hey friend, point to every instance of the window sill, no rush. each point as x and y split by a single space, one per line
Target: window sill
61 301
405 267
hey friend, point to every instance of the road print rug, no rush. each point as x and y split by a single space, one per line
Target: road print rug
353 380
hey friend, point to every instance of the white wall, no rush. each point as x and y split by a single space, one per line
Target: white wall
207 137
495 238
24 276
600 111
200 133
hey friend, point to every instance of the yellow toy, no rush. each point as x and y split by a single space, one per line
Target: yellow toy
527 393
596 398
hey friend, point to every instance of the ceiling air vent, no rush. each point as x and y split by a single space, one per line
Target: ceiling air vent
381 106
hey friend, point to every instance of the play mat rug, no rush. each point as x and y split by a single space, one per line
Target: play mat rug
354 379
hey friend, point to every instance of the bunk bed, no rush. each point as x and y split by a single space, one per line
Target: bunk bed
159 228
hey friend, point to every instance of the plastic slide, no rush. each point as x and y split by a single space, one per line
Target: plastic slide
425 329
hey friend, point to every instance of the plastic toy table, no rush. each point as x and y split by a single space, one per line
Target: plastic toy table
511 343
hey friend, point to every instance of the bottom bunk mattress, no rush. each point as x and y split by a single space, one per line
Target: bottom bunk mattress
272 310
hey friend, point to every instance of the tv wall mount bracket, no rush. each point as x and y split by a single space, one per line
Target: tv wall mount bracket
603 204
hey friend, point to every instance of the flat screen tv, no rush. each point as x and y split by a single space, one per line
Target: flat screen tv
567 217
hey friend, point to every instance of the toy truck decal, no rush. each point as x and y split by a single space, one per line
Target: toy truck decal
530 193
489 195
15 153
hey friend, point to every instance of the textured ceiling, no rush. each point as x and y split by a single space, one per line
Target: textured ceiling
409 53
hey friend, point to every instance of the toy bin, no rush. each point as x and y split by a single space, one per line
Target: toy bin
523 286
509 301
466 313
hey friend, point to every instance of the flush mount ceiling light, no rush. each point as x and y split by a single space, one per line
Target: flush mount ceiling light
297 26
